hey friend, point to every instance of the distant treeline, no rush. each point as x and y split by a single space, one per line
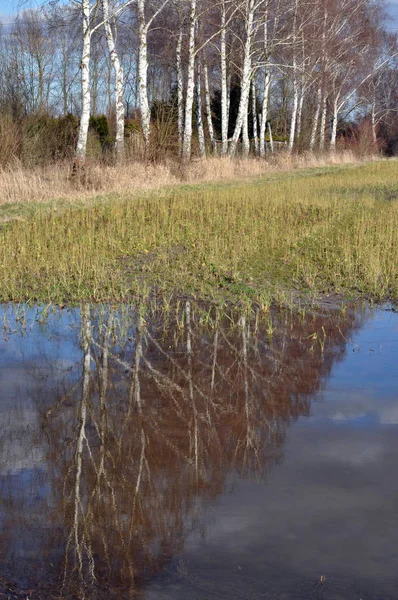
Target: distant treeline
157 78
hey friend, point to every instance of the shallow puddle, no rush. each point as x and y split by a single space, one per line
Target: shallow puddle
174 456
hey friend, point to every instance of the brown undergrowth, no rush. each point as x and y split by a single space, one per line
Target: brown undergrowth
19 184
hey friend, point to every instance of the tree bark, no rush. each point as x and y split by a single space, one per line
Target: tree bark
295 84
245 132
254 117
119 76
246 75
333 134
264 113
143 73
80 154
224 84
316 118
271 140
187 138
180 92
323 124
299 115
208 109
373 120
199 120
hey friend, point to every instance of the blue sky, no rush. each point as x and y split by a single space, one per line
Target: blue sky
8 7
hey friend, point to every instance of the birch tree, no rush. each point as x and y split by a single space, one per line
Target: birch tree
89 25
187 136
224 81
250 7
85 81
199 120
208 109
119 78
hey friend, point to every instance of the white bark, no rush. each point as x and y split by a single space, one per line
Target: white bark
264 112
143 72
295 84
208 109
271 140
85 84
373 119
187 138
224 84
199 120
264 108
245 132
180 92
118 70
294 111
246 75
299 114
316 118
323 124
334 127
228 102
254 116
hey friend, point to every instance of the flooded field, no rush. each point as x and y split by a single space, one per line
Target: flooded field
181 455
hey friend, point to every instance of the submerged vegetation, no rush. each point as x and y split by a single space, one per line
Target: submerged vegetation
268 240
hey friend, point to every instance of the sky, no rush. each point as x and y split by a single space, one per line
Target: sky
10 7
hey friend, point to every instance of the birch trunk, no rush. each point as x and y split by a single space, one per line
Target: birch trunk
81 147
118 70
374 124
295 85
271 139
294 111
224 84
143 73
323 124
180 92
199 120
299 115
254 116
334 127
187 138
316 118
208 109
323 65
264 108
245 133
245 81
264 113
228 101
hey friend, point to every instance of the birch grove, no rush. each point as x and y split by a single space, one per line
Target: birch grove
232 78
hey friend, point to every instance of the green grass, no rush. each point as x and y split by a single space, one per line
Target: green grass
308 233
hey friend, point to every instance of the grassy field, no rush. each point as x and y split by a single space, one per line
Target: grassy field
270 239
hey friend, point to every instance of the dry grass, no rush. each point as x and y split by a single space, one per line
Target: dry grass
224 169
19 185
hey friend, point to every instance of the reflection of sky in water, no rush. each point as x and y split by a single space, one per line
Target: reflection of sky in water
38 351
330 508
363 389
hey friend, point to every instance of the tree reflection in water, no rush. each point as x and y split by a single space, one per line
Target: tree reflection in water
165 411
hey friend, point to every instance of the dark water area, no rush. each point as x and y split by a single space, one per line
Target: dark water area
171 456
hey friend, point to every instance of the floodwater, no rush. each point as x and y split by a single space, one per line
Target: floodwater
166 457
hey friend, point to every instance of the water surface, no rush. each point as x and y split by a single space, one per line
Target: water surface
168 456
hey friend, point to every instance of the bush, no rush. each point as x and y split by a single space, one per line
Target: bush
47 139
10 140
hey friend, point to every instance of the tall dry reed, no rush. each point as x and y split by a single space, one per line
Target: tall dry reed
19 184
